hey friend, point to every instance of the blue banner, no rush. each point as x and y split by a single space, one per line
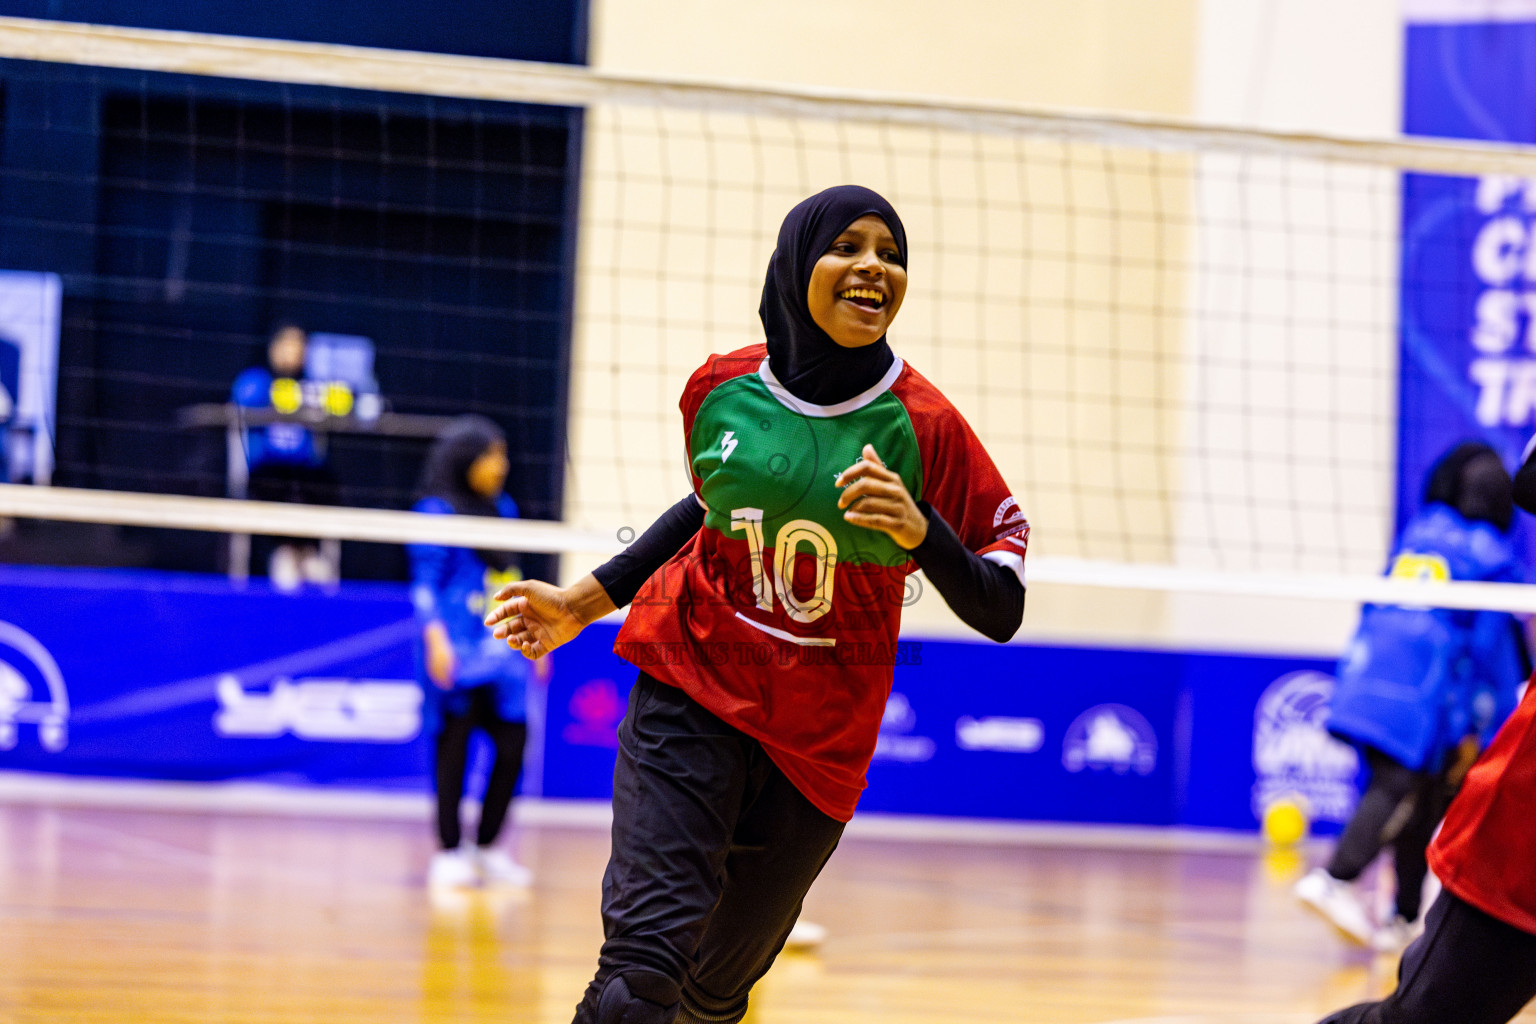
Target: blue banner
164 676
1468 296
1041 733
1089 735
588 696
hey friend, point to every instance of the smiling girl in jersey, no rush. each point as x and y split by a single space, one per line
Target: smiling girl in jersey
764 615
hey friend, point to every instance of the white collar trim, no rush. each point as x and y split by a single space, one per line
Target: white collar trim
859 401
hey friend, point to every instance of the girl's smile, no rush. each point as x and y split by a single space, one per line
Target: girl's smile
857 285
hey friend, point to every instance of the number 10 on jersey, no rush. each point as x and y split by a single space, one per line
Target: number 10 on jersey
786 545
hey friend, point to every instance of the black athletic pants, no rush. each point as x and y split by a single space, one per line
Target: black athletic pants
1467 968
453 757
1400 807
713 852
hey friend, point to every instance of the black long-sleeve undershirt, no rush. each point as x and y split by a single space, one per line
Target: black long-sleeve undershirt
988 597
624 574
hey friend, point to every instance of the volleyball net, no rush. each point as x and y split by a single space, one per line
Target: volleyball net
1178 343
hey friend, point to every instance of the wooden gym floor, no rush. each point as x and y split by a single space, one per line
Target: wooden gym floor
127 916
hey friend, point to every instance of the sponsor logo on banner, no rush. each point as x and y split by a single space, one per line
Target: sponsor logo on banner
596 710
1293 755
1008 735
895 742
321 710
31 691
1110 737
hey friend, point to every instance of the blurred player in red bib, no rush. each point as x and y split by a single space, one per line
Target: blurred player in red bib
764 615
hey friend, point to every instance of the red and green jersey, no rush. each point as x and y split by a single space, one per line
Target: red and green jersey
780 617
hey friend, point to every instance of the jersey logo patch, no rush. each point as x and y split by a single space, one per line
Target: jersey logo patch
728 444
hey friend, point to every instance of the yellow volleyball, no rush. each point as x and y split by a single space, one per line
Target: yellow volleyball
1286 821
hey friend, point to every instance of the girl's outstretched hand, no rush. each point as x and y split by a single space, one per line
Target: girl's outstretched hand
874 497
533 617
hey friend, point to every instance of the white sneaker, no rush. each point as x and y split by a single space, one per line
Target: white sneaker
316 568
283 570
498 868
1338 902
805 935
453 869
1396 934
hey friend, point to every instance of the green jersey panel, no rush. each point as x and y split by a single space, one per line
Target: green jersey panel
752 452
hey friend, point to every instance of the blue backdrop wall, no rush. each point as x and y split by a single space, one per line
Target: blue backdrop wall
188 216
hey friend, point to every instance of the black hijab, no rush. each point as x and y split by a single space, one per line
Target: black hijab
1471 478
446 474
809 364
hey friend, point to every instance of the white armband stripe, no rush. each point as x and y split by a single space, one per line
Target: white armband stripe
1008 560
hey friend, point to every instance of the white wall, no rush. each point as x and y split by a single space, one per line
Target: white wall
1108 54
1331 66
1306 66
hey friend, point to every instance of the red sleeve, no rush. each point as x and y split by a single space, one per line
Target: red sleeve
717 369
1487 843
959 478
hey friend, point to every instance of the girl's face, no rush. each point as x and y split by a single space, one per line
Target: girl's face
487 475
858 283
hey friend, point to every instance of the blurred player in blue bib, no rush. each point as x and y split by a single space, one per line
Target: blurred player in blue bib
472 680
1422 690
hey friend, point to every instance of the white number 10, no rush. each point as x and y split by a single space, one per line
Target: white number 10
791 535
